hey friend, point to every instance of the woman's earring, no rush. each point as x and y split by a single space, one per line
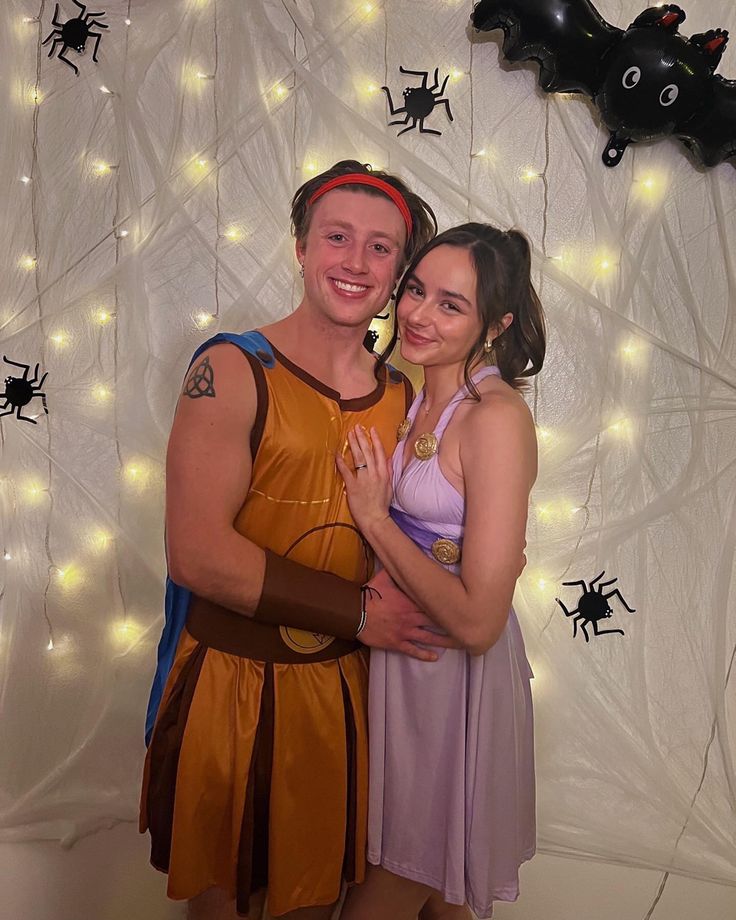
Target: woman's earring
301 269
488 346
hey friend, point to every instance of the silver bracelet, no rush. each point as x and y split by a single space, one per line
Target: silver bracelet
363 614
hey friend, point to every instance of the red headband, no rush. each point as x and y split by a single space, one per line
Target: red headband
365 179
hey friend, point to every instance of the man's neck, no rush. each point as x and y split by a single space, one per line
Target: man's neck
331 353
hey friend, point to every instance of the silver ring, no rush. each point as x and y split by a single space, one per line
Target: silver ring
362 466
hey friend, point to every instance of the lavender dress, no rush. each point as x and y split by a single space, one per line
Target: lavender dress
451 742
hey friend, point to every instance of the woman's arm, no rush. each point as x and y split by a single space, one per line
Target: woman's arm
498 456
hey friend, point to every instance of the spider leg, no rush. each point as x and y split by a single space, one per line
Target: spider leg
424 130
415 73
446 103
26 418
66 61
582 626
9 412
26 367
56 13
597 578
444 84
34 379
605 584
404 130
92 15
54 32
620 596
575 584
98 37
602 632
40 382
391 102
568 613
81 6
400 122
43 400
57 41
100 25
436 83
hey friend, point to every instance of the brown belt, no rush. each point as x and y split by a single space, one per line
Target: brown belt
234 633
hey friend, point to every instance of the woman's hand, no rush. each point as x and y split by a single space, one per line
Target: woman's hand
369 488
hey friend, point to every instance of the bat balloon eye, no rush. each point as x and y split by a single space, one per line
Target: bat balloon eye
669 94
631 77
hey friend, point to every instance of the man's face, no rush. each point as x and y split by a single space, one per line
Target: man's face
352 256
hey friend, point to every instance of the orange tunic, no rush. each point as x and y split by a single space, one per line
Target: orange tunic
257 770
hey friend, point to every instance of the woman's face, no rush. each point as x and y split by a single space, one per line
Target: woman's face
438 314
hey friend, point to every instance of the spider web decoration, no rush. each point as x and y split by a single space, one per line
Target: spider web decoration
74 33
19 391
419 101
593 606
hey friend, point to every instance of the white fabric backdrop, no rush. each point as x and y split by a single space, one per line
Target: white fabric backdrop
187 233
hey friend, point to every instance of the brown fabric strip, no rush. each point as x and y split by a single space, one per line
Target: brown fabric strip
252 867
295 595
166 742
408 394
348 866
261 403
227 631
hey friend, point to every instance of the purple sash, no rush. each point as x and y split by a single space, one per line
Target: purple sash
421 535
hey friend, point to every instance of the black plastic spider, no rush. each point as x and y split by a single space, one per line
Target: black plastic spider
19 391
593 606
74 33
419 101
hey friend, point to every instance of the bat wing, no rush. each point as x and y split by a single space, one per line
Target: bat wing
711 132
568 38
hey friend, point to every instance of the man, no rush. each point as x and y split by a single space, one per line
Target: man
256 774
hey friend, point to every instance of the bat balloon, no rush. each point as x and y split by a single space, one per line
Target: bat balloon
647 81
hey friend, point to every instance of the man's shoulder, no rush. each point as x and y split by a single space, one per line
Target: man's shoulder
252 343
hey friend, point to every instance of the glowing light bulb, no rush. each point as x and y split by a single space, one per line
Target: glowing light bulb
480 153
456 73
310 167
530 174
371 88
127 22
544 434
544 511
121 234
202 163
25 179
604 263
28 263
101 393
137 473
34 95
622 427
126 631
60 339
280 90
6 556
99 540
29 19
234 233
103 316
368 8
108 92
100 168
203 319
50 646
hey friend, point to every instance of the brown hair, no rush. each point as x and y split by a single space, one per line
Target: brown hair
424 223
502 262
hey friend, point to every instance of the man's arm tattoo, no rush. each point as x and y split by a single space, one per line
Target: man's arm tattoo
201 381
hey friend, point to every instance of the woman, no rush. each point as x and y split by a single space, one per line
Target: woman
451 808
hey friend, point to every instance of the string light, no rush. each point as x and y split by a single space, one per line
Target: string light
101 393
101 168
108 92
622 428
121 234
60 339
103 317
126 631
456 73
30 19
127 22
310 167
529 174
545 435
138 473
28 263
480 153
99 540
234 233
50 646
6 556
25 179
371 88
34 493
280 91
34 95
203 320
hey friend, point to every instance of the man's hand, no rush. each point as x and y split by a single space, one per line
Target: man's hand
394 623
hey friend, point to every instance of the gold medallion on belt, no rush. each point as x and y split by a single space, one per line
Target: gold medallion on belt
445 551
303 641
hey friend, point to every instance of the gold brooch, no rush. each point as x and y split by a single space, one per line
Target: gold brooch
425 446
403 430
446 552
